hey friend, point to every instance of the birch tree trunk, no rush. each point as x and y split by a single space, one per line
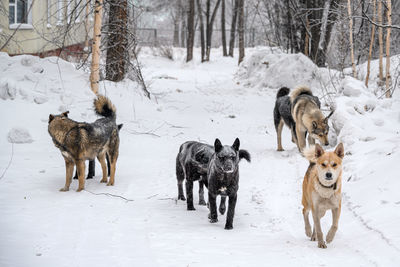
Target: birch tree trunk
371 45
223 33
380 38
190 39
241 30
87 25
95 69
389 22
233 28
353 65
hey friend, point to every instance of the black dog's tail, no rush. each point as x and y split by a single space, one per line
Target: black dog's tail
282 92
104 107
244 154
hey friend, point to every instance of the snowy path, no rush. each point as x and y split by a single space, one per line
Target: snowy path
40 226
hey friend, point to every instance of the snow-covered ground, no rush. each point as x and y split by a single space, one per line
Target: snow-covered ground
40 226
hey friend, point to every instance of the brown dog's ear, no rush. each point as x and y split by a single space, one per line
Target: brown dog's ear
65 114
314 125
217 146
51 117
319 151
236 144
339 150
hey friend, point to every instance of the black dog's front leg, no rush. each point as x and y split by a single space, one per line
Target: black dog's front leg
201 193
222 207
231 212
91 172
212 199
189 195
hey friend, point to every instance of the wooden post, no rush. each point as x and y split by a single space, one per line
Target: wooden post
353 64
95 68
371 45
389 21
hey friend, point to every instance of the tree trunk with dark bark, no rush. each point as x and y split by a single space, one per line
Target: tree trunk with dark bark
210 23
241 30
202 41
190 39
233 28
117 54
223 33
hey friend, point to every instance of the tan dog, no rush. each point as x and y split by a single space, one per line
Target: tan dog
308 118
322 186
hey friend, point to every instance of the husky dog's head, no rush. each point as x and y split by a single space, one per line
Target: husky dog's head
227 157
329 164
320 129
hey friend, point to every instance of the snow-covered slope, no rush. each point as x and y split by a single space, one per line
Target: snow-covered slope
40 226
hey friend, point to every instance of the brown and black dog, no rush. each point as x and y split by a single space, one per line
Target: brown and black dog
81 141
322 190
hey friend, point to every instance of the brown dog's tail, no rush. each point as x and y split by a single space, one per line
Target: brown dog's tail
300 90
104 107
309 153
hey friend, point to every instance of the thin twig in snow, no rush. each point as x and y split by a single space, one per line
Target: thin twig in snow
9 163
110 195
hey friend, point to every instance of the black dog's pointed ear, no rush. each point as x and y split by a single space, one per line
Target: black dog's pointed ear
236 144
217 145
65 114
120 126
51 117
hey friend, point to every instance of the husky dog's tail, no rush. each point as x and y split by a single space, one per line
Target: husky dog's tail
309 154
300 90
282 92
104 107
244 154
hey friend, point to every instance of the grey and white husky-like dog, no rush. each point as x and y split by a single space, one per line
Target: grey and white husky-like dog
223 179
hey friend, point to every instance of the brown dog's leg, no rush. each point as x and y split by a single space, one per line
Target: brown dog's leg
279 135
112 174
80 166
102 160
334 227
317 228
69 169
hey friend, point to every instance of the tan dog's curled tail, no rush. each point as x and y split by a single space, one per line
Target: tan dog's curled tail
300 90
309 154
104 107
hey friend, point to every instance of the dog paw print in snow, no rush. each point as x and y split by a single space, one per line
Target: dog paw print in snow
19 135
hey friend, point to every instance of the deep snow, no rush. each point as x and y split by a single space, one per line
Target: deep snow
40 226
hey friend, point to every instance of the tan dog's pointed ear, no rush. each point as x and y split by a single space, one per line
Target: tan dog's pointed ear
339 150
319 151
65 114
51 117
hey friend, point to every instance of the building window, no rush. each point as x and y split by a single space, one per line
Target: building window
18 13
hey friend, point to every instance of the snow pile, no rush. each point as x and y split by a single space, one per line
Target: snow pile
19 135
271 68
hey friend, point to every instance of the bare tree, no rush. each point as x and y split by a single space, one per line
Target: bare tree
223 33
210 24
389 22
241 30
371 44
380 38
202 41
95 68
233 28
190 39
117 53
353 64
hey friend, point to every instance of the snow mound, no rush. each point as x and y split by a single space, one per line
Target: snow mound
274 69
19 135
7 89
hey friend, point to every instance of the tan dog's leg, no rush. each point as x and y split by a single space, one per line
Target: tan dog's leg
80 166
307 222
69 169
102 160
279 135
311 141
317 228
301 140
112 173
334 227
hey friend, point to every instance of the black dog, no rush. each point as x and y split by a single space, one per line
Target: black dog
191 164
223 178
283 115
92 164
